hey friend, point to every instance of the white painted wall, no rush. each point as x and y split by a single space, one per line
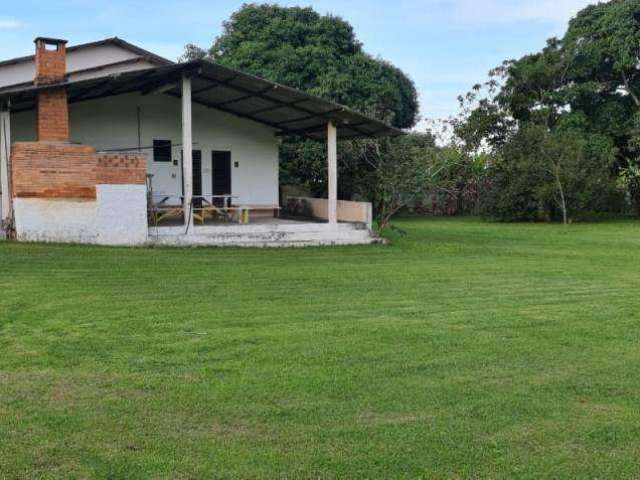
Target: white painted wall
121 214
111 122
46 220
140 65
118 216
82 59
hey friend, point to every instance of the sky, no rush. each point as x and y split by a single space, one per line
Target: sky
445 46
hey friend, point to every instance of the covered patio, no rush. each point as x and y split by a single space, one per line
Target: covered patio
288 111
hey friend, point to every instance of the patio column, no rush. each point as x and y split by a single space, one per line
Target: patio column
332 164
5 152
187 151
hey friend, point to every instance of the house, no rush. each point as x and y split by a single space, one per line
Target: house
108 143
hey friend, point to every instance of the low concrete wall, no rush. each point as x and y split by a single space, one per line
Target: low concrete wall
117 217
297 234
122 199
121 214
361 212
55 220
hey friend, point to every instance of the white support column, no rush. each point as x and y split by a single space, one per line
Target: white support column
187 152
5 152
332 165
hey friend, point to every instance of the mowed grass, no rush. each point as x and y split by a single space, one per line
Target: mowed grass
461 350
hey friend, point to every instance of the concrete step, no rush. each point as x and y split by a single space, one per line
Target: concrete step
314 235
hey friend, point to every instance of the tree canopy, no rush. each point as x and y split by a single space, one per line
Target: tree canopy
319 54
581 90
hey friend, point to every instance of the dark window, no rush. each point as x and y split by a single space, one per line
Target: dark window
162 150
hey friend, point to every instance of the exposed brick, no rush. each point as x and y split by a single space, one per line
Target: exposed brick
53 116
53 112
121 168
53 170
50 64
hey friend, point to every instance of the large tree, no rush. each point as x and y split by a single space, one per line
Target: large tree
587 82
317 53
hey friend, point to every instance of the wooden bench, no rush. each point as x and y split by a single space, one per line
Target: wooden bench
201 214
241 213
246 210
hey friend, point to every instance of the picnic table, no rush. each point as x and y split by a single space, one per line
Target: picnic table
213 206
206 207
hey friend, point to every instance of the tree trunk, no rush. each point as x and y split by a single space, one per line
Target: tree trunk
385 219
631 93
563 202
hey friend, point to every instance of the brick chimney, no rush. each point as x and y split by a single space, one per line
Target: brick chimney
51 68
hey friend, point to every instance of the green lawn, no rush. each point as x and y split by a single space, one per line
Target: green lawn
462 350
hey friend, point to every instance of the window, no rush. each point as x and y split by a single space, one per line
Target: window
162 150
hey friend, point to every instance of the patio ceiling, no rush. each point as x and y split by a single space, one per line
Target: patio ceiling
287 110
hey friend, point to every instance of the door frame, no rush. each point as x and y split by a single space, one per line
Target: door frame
213 173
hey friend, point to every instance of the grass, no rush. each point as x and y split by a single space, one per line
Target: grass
462 350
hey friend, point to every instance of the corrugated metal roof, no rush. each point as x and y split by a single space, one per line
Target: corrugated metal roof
287 110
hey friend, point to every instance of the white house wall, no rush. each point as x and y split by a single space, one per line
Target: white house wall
82 59
109 70
112 123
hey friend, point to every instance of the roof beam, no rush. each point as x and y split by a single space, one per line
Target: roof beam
155 86
232 101
86 91
211 86
321 128
172 77
278 106
308 117
102 88
302 131
259 93
227 110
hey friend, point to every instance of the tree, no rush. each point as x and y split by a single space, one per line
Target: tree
543 175
400 173
586 83
316 53
601 49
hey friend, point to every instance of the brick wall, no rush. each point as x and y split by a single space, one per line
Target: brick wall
53 116
121 169
50 64
53 170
